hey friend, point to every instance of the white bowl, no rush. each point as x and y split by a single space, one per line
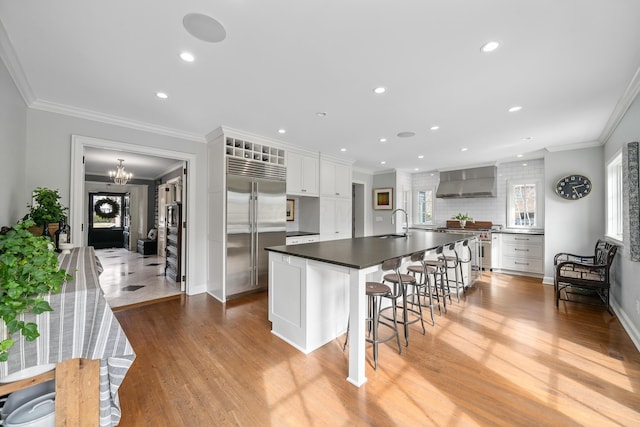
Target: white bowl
28 373
66 247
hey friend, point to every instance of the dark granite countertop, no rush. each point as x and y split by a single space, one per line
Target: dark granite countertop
301 233
363 252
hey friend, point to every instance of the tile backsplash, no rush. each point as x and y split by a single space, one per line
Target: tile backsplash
482 209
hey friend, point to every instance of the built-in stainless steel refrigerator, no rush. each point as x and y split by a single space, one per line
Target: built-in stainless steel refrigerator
256 218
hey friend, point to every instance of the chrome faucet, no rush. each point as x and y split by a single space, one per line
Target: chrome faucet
406 219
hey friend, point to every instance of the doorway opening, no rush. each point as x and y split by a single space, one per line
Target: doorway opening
85 193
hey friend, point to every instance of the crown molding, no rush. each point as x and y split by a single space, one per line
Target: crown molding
578 146
10 59
627 98
81 113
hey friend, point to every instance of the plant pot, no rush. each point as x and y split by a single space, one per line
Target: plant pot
36 230
463 223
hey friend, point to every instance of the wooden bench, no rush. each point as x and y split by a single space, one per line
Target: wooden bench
584 274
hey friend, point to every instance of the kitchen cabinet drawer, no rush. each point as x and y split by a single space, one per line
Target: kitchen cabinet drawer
509 249
527 265
522 239
303 239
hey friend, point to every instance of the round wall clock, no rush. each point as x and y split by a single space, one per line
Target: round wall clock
573 187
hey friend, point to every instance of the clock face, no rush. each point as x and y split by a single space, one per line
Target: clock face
573 187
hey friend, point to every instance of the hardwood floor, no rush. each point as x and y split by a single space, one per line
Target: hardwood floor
131 279
504 356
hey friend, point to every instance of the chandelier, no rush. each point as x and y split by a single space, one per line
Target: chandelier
119 176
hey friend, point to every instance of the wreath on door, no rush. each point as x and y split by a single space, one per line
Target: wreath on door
107 208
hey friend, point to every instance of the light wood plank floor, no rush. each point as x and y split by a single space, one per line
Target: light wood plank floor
504 356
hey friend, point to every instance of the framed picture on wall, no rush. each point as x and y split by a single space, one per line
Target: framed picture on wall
291 208
383 198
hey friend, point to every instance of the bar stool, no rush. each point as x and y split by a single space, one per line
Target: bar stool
424 281
401 282
452 262
464 255
375 292
440 276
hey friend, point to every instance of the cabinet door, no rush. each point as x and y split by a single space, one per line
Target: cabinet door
327 218
342 181
309 175
335 179
302 174
327 178
294 173
343 218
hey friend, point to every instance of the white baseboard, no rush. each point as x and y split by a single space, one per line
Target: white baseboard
628 326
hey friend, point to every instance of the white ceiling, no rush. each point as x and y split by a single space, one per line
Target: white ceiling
568 63
99 162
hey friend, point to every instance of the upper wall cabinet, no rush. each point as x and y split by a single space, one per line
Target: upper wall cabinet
335 179
302 174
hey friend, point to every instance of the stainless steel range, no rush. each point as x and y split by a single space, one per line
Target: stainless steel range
485 238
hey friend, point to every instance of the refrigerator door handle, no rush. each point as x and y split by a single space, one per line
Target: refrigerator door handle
254 236
252 246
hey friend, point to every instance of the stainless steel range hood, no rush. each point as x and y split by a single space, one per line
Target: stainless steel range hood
468 183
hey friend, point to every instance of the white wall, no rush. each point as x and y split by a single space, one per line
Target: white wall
572 225
382 218
365 178
13 119
48 154
626 290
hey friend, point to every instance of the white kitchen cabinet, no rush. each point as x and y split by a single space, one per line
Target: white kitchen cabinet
308 301
335 218
335 179
298 240
302 174
522 253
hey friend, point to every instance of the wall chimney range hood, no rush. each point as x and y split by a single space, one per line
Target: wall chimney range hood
468 183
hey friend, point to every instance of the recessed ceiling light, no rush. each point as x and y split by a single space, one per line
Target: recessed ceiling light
421 156
406 134
380 90
383 140
416 169
187 57
515 108
434 127
162 95
519 155
489 47
383 162
524 164
343 149
464 149
431 174
321 114
204 27
282 131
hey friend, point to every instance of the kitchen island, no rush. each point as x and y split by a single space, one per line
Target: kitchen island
314 288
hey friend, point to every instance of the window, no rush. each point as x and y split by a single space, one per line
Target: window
424 207
523 204
614 198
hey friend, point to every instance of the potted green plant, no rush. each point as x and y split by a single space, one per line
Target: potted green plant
463 218
28 268
46 211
